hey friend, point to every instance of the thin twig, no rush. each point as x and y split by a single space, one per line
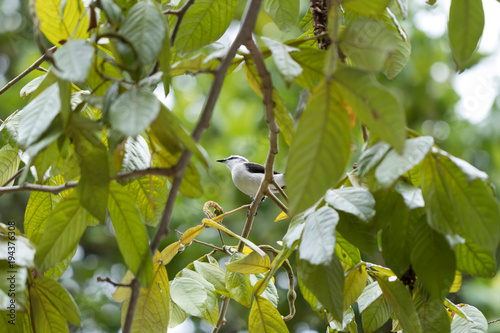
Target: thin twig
215 247
493 321
116 284
245 32
280 190
27 70
72 184
180 14
17 174
277 201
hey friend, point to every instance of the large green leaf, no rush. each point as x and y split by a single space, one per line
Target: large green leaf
376 45
312 62
287 67
320 149
284 13
60 298
45 316
150 195
37 116
213 274
64 228
357 232
153 306
352 200
347 253
475 260
204 22
73 60
283 117
38 209
374 308
238 285
375 106
433 260
265 318
211 309
93 186
133 111
143 27
130 233
400 300
189 295
459 202
9 163
465 28
366 7
432 314
326 282
477 325
317 243
60 20
253 263
354 284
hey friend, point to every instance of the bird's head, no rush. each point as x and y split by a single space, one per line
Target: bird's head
233 160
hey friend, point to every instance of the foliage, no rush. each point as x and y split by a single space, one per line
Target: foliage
102 149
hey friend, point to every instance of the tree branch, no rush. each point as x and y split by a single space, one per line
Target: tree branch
28 70
11 179
180 14
244 34
72 184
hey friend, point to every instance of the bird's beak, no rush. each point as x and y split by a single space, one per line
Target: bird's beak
222 161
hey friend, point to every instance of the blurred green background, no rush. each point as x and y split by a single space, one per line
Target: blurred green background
461 112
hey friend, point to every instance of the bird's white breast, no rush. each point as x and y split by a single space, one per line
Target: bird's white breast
246 182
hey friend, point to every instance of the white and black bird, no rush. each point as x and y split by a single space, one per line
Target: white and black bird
247 176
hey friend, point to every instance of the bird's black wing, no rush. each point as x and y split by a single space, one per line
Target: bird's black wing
256 168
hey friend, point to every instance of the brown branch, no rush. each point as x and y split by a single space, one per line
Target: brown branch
28 70
277 201
180 14
493 321
17 174
116 284
245 33
72 184
280 190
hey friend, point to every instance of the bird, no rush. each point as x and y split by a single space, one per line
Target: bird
247 176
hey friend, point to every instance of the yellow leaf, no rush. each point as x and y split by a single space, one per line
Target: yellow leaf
457 282
73 23
282 216
169 252
190 234
265 318
250 264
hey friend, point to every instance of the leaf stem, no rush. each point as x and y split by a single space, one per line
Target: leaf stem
180 14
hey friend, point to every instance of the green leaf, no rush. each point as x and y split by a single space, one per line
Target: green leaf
45 316
131 234
153 306
189 295
133 111
371 157
168 122
73 60
93 186
317 243
270 293
354 284
375 106
347 253
60 20
412 195
285 13
204 22
65 227
395 165
432 314
399 299
9 163
326 282
352 200
357 232
164 59
457 202
397 235
433 260
211 308
312 62
37 116
38 209
150 195
31 86
213 274
252 263
238 285
366 7
373 307
283 117
376 45
320 149
143 27
177 315
265 318
477 325
465 28
60 298
287 67
475 260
